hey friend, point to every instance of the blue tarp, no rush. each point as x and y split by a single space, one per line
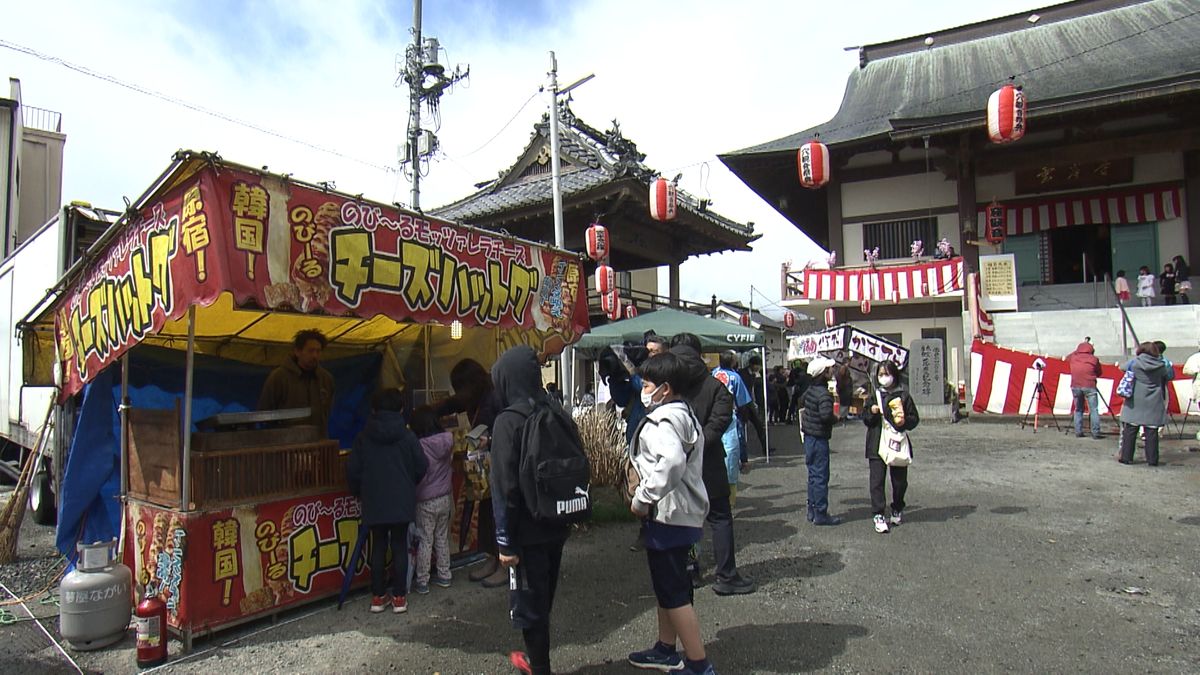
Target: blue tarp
89 508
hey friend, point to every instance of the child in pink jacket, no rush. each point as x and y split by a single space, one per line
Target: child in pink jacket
434 500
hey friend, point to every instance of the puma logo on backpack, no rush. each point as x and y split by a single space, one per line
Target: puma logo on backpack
554 474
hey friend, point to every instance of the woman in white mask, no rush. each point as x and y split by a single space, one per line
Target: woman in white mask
889 404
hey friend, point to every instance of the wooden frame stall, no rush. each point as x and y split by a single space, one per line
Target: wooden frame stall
224 260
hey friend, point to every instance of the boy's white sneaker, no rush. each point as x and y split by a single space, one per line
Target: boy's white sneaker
897 517
881 525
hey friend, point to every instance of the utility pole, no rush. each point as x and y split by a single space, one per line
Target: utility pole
567 375
427 80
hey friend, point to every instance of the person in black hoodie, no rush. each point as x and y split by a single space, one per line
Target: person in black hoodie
894 399
713 407
383 470
532 550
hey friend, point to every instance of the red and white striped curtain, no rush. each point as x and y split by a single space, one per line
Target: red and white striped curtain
1004 382
984 328
1114 207
922 280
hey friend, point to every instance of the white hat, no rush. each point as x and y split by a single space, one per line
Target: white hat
820 365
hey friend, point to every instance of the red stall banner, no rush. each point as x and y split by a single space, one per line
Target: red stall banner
212 568
277 244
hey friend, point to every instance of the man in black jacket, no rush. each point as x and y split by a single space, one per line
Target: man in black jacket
817 427
532 550
713 407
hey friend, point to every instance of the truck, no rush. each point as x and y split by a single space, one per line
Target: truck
27 280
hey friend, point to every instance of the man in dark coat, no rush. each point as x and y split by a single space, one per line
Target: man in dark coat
817 427
713 407
383 470
301 382
533 549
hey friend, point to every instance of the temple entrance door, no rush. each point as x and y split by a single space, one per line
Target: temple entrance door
1080 253
1133 246
1026 249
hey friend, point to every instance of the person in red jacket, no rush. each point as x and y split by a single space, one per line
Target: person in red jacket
1085 368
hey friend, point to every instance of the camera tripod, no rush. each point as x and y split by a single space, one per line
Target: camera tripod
1038 397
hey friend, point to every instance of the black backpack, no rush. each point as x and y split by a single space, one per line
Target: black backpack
555 475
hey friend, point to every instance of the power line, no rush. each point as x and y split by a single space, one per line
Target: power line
503 128
84 70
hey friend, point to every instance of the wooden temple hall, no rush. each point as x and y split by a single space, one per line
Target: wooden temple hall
604 180
1105 178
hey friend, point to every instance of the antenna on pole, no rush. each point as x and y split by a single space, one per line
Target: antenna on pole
427 80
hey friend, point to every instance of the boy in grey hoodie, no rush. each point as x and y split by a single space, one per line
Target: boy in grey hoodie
667 451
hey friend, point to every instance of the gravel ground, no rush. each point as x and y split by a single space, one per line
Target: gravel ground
1020 552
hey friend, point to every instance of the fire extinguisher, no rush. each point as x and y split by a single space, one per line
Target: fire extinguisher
151 618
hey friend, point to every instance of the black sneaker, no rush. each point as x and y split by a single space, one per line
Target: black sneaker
735 586
652 659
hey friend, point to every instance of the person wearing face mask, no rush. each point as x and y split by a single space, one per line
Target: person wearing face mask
892 403
668 454
817 427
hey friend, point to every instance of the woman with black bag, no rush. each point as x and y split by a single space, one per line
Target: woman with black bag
889 404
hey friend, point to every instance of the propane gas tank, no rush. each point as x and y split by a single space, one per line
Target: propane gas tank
95 600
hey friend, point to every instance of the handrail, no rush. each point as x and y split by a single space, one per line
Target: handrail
1126 324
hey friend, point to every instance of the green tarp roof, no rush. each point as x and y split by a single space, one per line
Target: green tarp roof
715 335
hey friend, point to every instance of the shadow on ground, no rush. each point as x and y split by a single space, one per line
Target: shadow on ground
818 564
785 648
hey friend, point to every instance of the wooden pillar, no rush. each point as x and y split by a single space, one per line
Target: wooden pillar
1191 207
833 206
968 220
673 281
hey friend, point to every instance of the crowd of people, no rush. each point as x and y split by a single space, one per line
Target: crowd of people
686 433
1173 283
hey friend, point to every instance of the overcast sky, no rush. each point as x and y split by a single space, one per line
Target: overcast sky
687 80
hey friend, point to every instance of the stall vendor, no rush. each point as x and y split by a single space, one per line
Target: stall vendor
301 382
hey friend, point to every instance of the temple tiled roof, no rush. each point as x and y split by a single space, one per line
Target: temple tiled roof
1077 54
592 159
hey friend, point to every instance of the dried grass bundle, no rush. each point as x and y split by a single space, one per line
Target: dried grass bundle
603 434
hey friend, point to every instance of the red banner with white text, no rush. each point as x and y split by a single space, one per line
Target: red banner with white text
279 245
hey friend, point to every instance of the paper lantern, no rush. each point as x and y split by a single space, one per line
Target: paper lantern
662 199
744 319
830 319
607 300
610 304
865 306
812 160
606 280
1006 114
597 242
997 223
630 312
789 320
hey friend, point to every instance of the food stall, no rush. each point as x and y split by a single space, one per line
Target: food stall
229 514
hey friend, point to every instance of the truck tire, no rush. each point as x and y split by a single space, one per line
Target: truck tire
41 499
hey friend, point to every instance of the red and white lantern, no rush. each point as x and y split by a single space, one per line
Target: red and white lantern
830 318
865 306
789 320
812 161
610 304
631 312
597 242
662 199
1006 114
606 280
